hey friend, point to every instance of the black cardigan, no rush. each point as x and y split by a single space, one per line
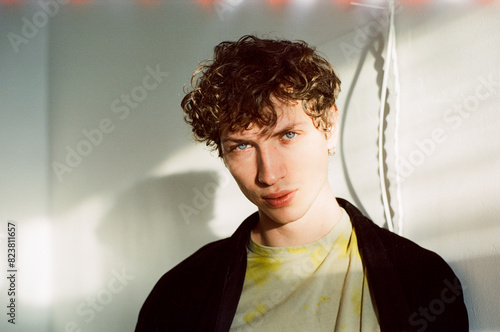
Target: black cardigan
413 289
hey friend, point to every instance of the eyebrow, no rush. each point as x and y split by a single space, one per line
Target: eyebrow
234 140
292 126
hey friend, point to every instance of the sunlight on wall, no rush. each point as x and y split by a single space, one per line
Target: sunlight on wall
35 262
78 269
446 244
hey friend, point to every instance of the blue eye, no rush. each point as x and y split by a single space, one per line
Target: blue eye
290 135
242 146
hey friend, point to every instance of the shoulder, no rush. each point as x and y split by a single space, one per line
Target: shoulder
414 275
405 252
207 260
184 292
376 242
202 261
181 287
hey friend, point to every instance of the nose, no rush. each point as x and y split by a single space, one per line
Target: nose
271 166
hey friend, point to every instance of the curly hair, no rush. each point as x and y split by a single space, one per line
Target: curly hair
236 89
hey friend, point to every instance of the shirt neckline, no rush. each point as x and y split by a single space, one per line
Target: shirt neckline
328 240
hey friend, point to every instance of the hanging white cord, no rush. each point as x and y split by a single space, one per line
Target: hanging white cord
397 91
383 96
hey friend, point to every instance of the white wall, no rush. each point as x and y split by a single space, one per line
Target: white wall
128 208
24 175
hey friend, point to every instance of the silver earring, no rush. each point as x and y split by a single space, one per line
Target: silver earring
331 152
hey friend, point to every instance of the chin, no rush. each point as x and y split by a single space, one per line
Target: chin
283 215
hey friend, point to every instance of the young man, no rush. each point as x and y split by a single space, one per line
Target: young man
305 261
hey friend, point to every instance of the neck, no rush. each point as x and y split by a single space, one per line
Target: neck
321 217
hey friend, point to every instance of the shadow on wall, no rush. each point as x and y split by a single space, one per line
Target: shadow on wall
161 221
374 46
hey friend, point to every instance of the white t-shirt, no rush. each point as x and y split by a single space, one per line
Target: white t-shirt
320 286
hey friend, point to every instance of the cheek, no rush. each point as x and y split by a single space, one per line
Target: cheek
242 174
311 166
315 148
247 187
312 162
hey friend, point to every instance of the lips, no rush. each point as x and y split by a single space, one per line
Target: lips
280 198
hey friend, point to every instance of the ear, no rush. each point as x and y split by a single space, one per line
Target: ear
333 133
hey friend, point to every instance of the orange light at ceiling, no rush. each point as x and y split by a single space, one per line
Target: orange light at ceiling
277 2
274 3
10 2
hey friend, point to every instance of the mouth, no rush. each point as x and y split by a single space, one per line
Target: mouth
280 198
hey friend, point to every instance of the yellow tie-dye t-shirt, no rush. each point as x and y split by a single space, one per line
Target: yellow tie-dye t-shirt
320 286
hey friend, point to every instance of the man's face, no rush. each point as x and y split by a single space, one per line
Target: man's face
283 171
